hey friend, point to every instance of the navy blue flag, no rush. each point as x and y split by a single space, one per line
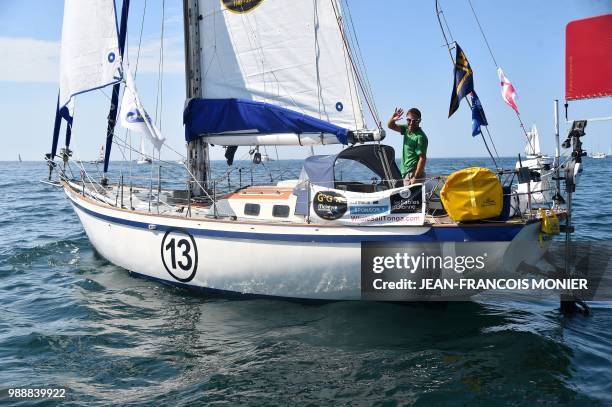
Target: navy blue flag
464 80
478 115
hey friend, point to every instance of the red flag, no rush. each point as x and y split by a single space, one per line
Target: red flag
588 57
508 92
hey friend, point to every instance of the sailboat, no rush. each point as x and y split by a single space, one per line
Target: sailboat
600 154
540 190
265 157
299 238
100 159
19 157
143 155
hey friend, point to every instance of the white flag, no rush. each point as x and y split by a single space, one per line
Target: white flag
133 115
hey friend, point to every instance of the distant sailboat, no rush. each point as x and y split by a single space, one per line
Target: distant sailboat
19 157
143 157
100 159
265 157
600 154
539 191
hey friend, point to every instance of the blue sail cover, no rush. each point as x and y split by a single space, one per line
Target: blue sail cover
213 116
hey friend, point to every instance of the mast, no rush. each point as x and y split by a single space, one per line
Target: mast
56 131
112 114
197 150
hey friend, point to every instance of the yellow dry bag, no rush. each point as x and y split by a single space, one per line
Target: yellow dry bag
471 194
550 223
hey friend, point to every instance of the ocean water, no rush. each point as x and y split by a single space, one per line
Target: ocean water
70 319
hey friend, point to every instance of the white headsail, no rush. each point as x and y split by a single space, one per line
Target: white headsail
286 53
133 115
89 56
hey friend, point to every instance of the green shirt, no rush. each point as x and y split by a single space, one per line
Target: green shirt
415 145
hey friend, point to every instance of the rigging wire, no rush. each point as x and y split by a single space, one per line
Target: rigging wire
491 138
448 46
447 26
160 72
161 77
483 34
350 86
494 61
144 12
496 65
128 133
359 56
317 51
352 62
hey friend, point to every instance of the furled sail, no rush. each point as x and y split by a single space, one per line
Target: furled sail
282 55
89 56
237 118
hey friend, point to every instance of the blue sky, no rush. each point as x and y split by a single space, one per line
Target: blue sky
401 44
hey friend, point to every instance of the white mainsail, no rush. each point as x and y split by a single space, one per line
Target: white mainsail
89 56
287 53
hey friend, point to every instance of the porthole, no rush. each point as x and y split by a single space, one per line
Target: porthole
280 211
251 209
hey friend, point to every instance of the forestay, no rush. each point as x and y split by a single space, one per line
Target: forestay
89 56
289 54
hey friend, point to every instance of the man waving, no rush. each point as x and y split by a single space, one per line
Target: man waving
414 154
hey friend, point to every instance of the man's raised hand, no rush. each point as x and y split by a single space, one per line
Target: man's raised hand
397 114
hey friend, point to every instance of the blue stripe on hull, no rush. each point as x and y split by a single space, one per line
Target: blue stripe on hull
488 233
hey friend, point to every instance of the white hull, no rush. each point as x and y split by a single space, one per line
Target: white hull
297 261
541 191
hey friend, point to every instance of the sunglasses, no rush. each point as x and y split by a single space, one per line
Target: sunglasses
413 120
